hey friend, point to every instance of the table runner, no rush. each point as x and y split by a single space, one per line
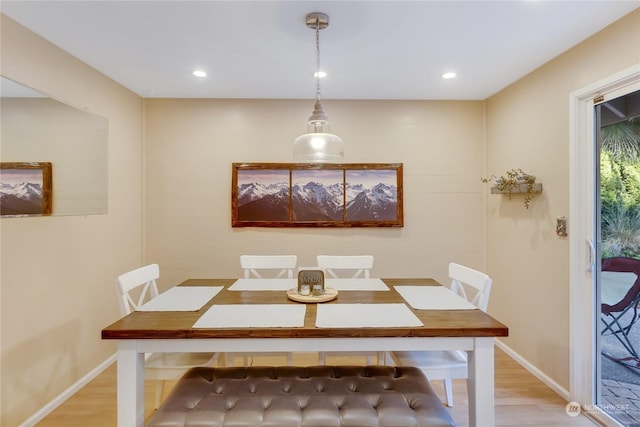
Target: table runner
253 316
182 298
365 316
433 298
356 284
286 284
264 284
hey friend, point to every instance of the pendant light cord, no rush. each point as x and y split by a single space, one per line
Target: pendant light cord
318 60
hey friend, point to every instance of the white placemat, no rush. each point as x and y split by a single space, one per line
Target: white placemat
253 316
365 316
356 284
615 285
433 298
263 284
182 298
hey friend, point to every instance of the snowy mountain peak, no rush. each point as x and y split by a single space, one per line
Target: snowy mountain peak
24 190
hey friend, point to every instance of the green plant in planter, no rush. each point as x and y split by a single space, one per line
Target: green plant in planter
511 182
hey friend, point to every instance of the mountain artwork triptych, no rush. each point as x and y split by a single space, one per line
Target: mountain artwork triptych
327 196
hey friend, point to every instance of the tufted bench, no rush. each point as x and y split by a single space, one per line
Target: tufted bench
288 396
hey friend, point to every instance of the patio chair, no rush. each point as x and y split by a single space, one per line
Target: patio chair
620 296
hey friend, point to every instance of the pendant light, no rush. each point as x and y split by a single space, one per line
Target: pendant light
318 145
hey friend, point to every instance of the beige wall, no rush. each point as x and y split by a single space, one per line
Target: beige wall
190 145
57 273
528 127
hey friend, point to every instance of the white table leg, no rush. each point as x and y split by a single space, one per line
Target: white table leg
130 385
480 384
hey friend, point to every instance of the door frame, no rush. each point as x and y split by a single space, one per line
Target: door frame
584 302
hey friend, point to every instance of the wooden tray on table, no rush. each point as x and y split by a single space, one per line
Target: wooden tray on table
328 295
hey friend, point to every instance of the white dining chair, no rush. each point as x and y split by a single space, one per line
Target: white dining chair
448 365
261 267
348 267
134 289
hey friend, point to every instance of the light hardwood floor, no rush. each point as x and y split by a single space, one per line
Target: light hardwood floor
520 398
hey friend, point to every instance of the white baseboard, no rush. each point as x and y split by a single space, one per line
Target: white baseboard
561 391
60 399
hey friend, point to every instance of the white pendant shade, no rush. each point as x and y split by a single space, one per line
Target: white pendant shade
318 147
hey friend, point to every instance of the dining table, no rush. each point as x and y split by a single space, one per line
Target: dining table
259 315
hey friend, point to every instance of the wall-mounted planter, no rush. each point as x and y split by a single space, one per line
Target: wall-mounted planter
515 181
537 188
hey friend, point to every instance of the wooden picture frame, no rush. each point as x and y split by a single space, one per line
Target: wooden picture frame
25 188
316 195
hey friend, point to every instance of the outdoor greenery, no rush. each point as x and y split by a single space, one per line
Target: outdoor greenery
620 188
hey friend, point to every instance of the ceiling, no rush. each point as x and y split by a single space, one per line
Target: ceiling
263 49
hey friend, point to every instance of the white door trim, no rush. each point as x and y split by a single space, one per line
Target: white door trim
583 301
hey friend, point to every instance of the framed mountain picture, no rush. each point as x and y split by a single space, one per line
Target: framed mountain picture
25 188
316 195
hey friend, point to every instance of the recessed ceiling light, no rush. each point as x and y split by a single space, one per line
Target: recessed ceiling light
449 75
200 73
320 74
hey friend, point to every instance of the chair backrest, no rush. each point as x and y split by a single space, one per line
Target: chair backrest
141 280
354 266
622 265
255 266
461 276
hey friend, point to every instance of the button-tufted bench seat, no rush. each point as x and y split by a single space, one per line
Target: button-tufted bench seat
288 396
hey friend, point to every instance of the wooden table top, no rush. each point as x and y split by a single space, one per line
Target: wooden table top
177 325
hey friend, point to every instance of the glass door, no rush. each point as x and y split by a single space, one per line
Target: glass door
617 236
